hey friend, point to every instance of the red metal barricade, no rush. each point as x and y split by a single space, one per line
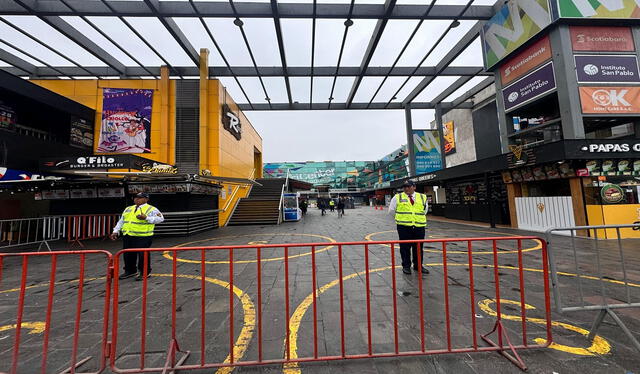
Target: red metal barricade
440 332
53 331
89 226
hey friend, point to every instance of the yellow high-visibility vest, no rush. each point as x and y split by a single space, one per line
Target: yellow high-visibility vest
137 227
411 215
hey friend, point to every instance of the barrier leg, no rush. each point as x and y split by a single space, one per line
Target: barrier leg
76 365
174 348
624 328
596 324
515 358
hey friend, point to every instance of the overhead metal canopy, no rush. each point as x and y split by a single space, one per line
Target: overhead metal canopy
112 59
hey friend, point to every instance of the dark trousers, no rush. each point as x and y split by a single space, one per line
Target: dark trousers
406 249
134 261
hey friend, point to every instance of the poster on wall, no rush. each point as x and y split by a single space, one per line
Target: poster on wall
525 61
529 88
598 9
8 118
426 145
81 133
601 39
607 68
449 138
610 100
516 23
126 121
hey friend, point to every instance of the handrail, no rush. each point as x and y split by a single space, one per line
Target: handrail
237 188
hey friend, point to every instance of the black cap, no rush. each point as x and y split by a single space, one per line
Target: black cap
142 194
408 183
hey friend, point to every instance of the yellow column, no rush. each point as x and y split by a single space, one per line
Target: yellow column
204 95
164 115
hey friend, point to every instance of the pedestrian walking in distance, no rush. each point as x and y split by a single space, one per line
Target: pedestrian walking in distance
341 206
136 225
410 211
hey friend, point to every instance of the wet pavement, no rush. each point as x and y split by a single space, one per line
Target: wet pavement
260 319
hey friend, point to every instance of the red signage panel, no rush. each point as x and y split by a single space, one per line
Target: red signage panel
602 39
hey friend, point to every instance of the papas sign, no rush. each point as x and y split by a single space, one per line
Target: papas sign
231 122
611 148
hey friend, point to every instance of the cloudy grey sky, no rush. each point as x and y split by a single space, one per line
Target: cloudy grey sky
288 136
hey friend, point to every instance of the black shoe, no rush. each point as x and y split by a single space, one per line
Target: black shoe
126 275
406 270
424 269
139 276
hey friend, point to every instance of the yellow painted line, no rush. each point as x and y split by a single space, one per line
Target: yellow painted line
167 254
599 345
33 327
241 344
534 248
296 318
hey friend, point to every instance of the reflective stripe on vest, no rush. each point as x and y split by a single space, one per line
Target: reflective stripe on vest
411 215
137 227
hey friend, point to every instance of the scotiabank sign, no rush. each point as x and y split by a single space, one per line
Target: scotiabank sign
525 61
602 39
610 100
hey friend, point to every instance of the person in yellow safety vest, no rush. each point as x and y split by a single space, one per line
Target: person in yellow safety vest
137 224
332 205
410 211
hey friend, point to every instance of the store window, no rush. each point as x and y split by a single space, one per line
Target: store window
595 188
609 128
557 187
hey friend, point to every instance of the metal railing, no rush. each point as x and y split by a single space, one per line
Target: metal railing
584 260
29 231
285 186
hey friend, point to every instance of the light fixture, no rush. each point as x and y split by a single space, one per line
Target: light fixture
348 23
238 22
455 24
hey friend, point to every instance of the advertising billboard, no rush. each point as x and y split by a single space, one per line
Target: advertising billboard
598 9
607 68
525 61
517 22
529 88
449 138
126 121
610 100
426 145
601 39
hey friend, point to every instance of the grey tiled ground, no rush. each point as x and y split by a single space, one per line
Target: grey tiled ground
355 226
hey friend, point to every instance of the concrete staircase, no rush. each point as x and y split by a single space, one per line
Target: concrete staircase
261 207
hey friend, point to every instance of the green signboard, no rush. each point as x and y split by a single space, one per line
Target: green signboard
599 8
516 23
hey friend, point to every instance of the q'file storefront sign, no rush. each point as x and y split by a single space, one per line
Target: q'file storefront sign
607 68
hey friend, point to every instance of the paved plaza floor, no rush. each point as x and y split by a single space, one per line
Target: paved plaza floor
265 317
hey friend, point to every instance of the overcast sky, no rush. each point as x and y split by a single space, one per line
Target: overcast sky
288 136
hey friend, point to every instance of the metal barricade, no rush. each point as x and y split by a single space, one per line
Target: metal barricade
29 231
46 335
89 226
168 316
590 259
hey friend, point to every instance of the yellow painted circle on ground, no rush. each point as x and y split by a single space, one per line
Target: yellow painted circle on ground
167 254
534 248
241 344
600 346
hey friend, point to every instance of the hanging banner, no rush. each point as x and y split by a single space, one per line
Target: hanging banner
610 100
599 9
126 121
529 88
449 138
517 22
525 61
607 68
426 145
601 39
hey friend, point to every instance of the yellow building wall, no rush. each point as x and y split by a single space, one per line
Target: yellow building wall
223 155
226 155
89 93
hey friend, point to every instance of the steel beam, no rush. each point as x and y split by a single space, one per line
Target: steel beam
343 106
471 93
70 32
371 47
451 89
19 64
168 9
283 57
454 52
175 31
